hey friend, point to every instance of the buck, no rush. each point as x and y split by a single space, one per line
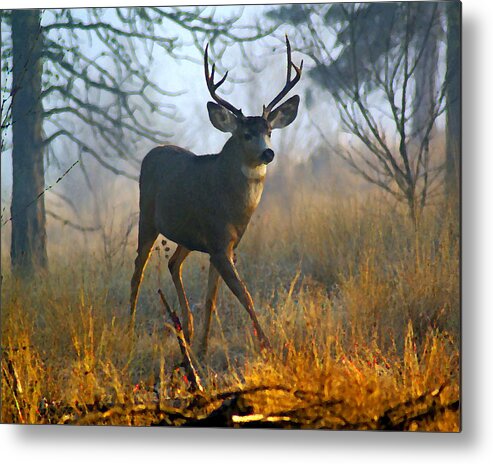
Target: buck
204 203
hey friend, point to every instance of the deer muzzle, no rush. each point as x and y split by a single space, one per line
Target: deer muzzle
267 156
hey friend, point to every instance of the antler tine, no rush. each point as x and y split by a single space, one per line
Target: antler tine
209 79
289 83
288 56
216 86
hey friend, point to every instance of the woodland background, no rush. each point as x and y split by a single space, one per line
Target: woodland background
358 231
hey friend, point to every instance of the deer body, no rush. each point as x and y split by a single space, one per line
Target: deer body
213 190
204 203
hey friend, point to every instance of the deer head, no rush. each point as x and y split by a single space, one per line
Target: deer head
253 133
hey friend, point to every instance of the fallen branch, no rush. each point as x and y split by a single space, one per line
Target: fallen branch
192 374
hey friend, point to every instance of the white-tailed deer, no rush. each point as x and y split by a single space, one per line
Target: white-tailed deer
204 203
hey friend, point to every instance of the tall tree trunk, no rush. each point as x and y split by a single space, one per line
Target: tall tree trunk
425 85
453 131
28 247
424 102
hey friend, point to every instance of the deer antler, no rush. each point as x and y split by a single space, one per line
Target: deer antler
289 83
209 79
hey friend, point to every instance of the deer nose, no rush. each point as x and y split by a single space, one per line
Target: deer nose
267 156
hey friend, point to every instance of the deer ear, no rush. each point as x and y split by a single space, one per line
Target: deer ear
284 114
221 118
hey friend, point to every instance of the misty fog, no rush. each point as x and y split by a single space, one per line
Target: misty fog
91 202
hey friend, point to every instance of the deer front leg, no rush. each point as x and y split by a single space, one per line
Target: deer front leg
175 265
210 306
223 262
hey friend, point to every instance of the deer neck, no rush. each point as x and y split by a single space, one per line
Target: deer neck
234 166
244 183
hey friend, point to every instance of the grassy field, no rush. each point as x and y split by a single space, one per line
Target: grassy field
362 311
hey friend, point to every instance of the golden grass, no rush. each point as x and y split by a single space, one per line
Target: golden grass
362 312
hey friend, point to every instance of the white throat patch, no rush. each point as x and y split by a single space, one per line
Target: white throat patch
254 173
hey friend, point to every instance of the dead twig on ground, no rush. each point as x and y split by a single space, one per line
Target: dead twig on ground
192 374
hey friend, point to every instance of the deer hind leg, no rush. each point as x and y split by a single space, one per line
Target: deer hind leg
223 262
147 237
210 305
175 267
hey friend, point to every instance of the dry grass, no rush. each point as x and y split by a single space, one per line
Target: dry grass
362 312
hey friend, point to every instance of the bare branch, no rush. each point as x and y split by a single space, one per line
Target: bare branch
73 225
365 68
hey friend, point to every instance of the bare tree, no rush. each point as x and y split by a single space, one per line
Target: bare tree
97 97
370 57
425 79
453 97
